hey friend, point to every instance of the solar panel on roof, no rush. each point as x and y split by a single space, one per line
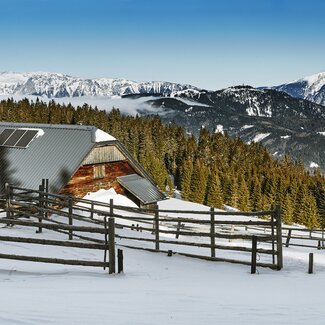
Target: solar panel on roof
5 135
14 138
26 139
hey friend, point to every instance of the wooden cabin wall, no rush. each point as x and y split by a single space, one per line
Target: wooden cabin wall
83 180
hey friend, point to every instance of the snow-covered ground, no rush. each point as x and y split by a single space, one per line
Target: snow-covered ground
155 288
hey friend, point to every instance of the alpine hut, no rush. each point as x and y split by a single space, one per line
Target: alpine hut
76 159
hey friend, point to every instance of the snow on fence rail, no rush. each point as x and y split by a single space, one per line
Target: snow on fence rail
167 230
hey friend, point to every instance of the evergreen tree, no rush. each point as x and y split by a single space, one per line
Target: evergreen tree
214 191
287 208
244 203
198 182
187 168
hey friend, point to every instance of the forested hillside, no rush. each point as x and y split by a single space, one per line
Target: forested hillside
214 169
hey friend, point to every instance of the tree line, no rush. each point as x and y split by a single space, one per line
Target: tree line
213 169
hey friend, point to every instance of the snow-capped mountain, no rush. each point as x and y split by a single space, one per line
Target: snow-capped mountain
311 88
56 85
277 120
282 123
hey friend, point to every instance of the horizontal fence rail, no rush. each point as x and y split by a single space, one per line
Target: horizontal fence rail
168 231
31 208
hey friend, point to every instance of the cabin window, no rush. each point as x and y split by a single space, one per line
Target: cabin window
99 171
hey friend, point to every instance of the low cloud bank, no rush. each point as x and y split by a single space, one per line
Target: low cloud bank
125 105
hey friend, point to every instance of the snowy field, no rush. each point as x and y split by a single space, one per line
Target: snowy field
155 288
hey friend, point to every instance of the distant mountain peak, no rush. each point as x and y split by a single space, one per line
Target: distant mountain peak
57 85
311 88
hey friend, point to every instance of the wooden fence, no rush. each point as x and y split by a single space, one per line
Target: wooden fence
35 205
297 236
215 233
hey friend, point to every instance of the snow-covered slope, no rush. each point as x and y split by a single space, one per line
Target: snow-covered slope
155 288
311 88
57 85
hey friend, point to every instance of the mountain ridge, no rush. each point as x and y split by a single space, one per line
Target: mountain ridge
279 121
282 123
310 87
58 85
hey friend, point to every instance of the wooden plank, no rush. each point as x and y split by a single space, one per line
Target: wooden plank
212 232
7 195
184 243
120 261
52 242
218 222
288 238
106 239
157 228
311 263
178 229
279 237
40 203
221 213
272 234
254 252
111 244
52 260
46 189
53 226
207 258
70 212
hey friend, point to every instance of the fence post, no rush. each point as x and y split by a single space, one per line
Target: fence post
254 251
92 210
212 233
111 245
8 203
106 241
70 203
46 198
111 208
279 236
311 263
178 229
272 234
157 226
41 206
119 260
288 238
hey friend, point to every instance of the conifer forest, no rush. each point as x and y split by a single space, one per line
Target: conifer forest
213 169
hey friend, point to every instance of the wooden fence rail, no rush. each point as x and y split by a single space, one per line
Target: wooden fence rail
38 207
208 226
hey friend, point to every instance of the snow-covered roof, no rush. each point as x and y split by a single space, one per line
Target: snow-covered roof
101 136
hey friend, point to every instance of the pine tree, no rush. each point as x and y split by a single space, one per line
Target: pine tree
287 208
214 191
306 211
198 182
234 192
256 194
187 168
244 203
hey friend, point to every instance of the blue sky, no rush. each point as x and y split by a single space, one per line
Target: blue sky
210 44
